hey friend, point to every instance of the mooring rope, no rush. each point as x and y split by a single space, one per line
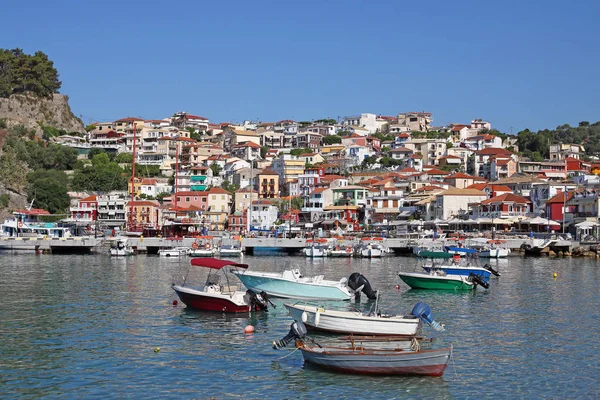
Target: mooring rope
287 355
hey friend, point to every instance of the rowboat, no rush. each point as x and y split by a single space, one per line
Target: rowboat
404 357
359 323
217 294
439 280
290 284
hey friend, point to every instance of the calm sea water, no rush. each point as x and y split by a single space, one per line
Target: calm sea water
87 327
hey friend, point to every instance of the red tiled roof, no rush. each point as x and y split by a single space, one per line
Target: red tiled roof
268 172
436 171
477 186
191 193
457 128
459 175
217 190
506 198
560 198
493 151
90 198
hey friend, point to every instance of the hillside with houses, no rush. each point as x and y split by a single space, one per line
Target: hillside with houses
342 175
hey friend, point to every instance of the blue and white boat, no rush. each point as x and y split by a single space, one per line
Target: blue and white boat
290 284
451 263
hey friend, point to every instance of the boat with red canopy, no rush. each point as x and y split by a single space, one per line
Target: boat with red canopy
217 294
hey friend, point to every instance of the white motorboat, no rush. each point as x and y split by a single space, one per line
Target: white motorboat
202 248
290 284
342 251
121 247
371 250
317 248
173 252
230 250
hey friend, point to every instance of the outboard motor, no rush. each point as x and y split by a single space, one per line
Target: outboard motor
297 331
492 270
258 301
423 312
358 283
478 280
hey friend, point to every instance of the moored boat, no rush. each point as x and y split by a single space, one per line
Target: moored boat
359 323
401 357
219 295
173 251
439 280
121 247
451 263
290 284
230 250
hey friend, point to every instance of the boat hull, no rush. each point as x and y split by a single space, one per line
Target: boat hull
287 289
201 253
341 253
199 301
424 281
464 271
379 362
230 253
353 322
494 253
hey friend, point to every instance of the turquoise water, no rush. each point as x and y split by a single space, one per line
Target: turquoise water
88 326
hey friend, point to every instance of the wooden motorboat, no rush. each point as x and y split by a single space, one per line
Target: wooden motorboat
398 357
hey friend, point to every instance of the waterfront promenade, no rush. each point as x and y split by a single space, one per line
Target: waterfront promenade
252 244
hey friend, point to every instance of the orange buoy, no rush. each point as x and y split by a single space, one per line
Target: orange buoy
174 302
249 329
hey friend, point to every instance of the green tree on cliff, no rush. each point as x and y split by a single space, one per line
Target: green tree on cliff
20 73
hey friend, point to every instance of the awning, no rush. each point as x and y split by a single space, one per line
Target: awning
215 263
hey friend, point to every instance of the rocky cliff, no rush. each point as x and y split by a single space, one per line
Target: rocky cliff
30 111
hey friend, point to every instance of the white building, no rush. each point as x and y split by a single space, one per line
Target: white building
453 202
262 215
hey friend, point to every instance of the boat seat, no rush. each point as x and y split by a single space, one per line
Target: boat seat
230 289
318 278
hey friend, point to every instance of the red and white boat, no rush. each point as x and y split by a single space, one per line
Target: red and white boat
217 294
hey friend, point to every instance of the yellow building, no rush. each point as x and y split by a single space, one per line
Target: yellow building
244 197
219 206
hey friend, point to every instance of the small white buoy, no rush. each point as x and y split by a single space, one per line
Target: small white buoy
317 318
304 317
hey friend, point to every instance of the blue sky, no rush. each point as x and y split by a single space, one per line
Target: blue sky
518 64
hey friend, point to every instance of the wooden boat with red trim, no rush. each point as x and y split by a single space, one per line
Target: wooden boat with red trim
217 294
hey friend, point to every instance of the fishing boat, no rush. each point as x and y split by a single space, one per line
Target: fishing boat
317 248
439 280
217 294
121 247
230 250
202 249
451 263
359 323
290 284
398 357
